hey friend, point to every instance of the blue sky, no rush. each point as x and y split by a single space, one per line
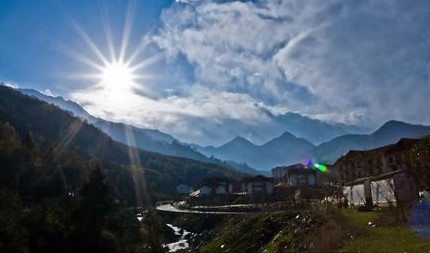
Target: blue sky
213 68
34 34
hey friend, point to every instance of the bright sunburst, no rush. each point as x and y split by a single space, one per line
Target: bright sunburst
118 76
116 85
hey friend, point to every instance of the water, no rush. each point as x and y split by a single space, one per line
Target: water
182 242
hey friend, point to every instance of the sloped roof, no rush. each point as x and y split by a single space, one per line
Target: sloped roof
258 178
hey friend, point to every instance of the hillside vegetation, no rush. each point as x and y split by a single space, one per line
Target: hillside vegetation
56 133
67 187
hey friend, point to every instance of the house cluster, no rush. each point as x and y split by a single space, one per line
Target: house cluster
382 175
297 175
294 176
257 185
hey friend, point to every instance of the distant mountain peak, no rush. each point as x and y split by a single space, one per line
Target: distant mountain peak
394 123
287 135
390 132
397 126
238 140
147 139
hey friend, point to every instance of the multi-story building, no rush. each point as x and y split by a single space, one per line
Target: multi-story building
257 185
391 162
295 175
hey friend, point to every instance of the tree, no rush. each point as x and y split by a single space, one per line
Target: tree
8 139
90 218
9 144
420 153
12 233
29 144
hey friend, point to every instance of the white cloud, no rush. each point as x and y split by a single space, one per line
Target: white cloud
360 60
356 62
193 116
10 84
48 92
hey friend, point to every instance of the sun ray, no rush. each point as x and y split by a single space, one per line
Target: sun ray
120 68
80 57
146 77
70 134
139 49
108 33
90 43
84 76
127 31
149 61
140 184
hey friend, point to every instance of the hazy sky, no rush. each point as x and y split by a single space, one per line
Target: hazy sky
207 63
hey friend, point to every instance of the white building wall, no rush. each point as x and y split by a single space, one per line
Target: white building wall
382 193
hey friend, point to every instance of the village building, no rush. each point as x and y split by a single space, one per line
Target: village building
382 175
296 175
279 173
213 186
257 185
299 177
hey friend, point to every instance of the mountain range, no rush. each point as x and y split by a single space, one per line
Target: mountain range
313 130
284 149
148 139
295 144
388 133
58 133
288 149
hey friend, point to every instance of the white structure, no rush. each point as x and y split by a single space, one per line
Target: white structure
301 177
382 193
280 173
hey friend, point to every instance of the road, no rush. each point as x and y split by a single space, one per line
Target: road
171 208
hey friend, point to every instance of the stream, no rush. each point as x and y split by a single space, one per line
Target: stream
182 241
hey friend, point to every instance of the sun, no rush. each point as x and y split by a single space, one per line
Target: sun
115 73
117 76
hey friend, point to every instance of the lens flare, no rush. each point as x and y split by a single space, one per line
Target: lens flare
318 166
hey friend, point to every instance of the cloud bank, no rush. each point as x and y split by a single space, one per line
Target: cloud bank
349 61
356 62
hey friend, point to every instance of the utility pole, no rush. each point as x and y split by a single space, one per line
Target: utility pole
368 193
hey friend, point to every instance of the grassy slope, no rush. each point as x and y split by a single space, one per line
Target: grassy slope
342 231
381 239
276 232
